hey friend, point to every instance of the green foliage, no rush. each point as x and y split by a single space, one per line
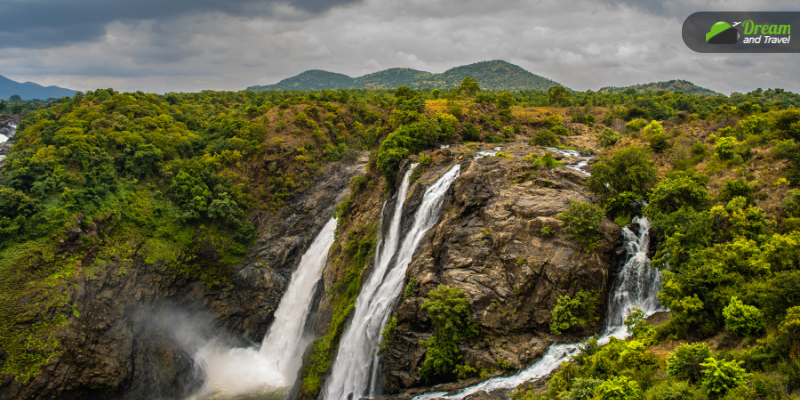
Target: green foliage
627 170
552 121
719 376
471 133
546 160
560 130
582 389
544 138
684 363
386 334
547 231
658 139
577 311
636 125
409 291
449 312
405 140
736 189
608 137
469 86
678 191
582 222
674 390
637 326
743 320
618 388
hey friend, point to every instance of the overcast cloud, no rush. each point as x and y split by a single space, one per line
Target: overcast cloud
191 45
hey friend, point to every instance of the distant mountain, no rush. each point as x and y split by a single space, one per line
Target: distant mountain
492 75
30 90
669 86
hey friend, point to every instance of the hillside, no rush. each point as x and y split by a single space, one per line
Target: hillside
30 90
674 85
197 212
492 75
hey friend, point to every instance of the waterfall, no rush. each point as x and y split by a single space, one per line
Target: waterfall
237 371
356 368
636 285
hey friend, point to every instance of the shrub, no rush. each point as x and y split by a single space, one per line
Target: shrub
552 121
654 133
508 131
675 192
471 133
449 312
743 320
684 362
618 388
547 231
636 125
560 130
627 170
572 312
582 389
448 124
736 189
673 390
719 376
608 137
582 222
544 138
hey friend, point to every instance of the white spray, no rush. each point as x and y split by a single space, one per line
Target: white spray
237 371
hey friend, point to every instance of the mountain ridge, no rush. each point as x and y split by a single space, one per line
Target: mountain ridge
31 90
492 75
668 86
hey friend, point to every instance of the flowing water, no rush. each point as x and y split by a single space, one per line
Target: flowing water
583 161
636 285
356 369
273 368
4 138
486 153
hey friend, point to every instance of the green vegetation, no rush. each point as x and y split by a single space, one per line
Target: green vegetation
582 222
494 75
449 312
577 311
544 137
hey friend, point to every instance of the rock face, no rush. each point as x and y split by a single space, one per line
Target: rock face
135 323
489 243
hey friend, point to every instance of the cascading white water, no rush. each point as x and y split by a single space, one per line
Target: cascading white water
237 371
637 285
356 368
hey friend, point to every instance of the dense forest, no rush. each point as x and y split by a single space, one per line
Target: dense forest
180 175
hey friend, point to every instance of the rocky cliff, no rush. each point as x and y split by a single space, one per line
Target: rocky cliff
134 322
489 243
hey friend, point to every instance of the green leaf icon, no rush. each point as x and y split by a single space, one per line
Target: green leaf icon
716 29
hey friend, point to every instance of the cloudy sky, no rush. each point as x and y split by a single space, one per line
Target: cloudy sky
191 45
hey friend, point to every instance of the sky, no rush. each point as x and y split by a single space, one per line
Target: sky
192 45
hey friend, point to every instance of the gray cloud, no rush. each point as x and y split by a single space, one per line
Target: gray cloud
51 23
584 44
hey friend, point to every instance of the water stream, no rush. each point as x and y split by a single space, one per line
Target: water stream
273 367
636 285
356 369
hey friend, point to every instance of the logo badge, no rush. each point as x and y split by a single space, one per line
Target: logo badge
722 33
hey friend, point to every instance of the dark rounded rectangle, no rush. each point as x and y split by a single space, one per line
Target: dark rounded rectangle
742 32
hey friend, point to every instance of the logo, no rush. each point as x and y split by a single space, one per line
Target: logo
722 33
741 32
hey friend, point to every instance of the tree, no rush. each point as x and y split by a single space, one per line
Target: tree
627 170
436 93
469 86
557 94
449 312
